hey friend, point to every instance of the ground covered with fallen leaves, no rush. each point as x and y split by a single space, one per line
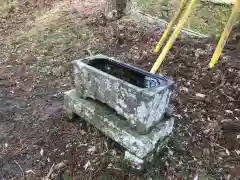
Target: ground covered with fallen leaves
36 141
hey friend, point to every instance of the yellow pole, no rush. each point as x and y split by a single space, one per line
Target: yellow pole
225 34
173 37
170 26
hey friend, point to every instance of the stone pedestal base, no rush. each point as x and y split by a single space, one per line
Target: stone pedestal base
140 149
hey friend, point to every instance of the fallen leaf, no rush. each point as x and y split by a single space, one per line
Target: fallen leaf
106 145
184 89
237 151
60 165
196 177
170 153
113 153
229 111
200 95
41 152
92 149
68 145
228 177
30 171
82 132
227 152
87 165
206 131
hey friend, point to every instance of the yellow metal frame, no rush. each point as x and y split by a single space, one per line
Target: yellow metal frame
179 26
170 26
175 33
232 20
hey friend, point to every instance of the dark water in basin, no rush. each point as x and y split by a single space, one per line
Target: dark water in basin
130 74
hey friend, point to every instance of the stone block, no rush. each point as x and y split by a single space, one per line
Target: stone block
139 148
137 95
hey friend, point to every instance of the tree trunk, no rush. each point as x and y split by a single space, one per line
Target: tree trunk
115 8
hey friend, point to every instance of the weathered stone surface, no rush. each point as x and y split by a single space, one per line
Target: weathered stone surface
142 107
135 162
117 128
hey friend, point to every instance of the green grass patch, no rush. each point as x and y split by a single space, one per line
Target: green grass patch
7 7
207 18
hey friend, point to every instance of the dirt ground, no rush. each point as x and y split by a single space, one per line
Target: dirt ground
35 55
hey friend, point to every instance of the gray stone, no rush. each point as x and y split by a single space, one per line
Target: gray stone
134 161
140 148
142 107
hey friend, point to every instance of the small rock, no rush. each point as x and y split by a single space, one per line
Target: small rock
112 15
200 95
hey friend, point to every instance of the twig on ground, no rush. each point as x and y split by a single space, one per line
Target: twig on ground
20 168
49 173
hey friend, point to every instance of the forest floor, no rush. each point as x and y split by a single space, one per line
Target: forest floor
35 55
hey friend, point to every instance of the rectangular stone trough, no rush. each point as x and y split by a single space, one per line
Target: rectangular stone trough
137 95
140 149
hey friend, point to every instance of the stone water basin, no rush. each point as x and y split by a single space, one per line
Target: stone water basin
139 96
